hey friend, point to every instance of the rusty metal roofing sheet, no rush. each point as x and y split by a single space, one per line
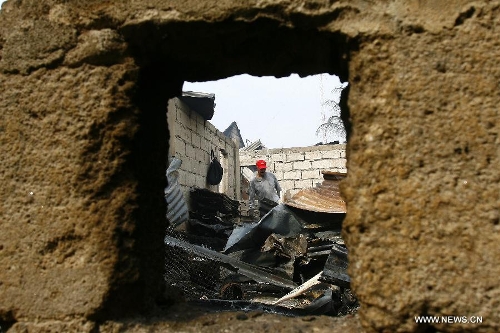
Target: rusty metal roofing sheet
324 198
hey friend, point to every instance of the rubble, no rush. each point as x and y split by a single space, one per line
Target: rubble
251 271
292 257
207 202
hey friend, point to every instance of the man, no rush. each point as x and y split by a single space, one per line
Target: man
265 188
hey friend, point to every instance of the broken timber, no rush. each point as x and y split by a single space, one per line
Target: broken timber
301 289
335 270
254 272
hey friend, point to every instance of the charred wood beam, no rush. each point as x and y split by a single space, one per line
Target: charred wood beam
335 270
318 254
254 272
320 248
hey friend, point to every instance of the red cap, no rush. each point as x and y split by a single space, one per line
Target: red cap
261 164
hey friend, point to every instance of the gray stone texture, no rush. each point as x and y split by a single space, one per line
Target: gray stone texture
85 86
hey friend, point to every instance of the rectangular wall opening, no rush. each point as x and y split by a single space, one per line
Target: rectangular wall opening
224 250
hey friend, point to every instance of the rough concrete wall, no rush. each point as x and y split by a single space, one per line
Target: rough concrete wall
300 167
51 168
83 144
192 139
69 197
423 199
422 191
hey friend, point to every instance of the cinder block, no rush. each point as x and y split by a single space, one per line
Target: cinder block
311 174
279 174
210 128
180 148
221 141
288 166
200 122
195 140
182 177
200 129
200 181
339 163
186 164
184 133
200 168
327 154
286 184
304 165
295 174
293 157
301 184
322 164
278 166
204 145
187 179
190 151
200 155
192 123
183 116
179 156
313 155
279 157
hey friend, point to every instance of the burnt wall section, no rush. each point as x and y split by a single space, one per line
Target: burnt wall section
192 139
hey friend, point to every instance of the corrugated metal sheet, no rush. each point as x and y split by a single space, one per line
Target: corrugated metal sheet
324 198
256 145
247 173
177 210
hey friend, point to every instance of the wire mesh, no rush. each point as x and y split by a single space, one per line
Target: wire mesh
194 275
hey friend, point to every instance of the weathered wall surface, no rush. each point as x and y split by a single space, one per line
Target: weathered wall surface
300 167
192 139
424 198
83 142
83 172
49 208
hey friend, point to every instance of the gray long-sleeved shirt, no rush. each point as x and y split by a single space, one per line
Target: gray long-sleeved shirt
265 187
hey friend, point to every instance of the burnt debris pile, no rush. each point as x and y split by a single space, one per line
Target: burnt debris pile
291 261
212 216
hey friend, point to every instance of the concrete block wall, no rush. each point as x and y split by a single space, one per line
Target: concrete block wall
82 218
300 167
191 139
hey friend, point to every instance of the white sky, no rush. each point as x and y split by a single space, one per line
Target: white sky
282 113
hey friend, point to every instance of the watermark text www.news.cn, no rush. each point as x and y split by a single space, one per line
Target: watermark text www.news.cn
448 319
